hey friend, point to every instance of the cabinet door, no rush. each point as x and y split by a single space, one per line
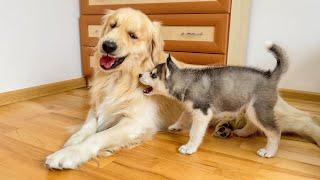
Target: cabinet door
201 33
157 6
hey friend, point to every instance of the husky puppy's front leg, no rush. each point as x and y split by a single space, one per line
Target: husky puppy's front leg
199 126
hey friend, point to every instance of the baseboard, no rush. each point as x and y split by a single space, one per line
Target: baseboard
42 90
302 95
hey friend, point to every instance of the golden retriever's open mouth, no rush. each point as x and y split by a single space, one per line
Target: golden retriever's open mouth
109 62
147 90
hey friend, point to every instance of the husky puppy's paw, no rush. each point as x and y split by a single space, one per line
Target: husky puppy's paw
265 153
187 149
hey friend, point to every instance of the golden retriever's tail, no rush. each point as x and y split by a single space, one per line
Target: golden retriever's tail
296 121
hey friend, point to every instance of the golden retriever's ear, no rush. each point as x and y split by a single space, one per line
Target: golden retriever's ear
156 44
104 20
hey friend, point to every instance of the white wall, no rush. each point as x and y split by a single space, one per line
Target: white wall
295 24
39 42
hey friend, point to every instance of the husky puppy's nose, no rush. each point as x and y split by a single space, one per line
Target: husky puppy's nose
140 75
109 46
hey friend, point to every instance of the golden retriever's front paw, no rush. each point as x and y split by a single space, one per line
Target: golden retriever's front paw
75 139
188 149
68 158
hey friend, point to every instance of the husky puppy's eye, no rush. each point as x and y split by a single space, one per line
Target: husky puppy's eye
153 76
113 25
132 35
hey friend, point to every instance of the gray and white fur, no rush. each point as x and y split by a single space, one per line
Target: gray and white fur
213 92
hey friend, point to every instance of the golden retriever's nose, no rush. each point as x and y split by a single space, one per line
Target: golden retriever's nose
109 46
140 75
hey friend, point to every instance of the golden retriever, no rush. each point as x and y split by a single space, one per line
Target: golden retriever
120 114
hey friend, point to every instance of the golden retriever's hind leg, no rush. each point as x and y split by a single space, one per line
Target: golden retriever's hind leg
247 130
183 122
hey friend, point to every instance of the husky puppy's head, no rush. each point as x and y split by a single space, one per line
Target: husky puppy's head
157 81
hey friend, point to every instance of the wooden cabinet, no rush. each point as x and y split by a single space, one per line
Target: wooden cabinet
158 6
195 31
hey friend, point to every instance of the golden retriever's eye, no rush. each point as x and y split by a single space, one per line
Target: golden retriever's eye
113 25
132 35
153 76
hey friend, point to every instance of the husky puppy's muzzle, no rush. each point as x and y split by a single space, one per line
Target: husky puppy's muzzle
155 80
143 78
108 60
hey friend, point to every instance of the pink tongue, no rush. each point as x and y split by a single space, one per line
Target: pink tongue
107 61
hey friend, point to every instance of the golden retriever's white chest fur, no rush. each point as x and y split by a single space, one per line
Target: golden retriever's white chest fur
123 100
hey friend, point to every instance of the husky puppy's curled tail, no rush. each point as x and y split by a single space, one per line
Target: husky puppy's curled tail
281 57
290 118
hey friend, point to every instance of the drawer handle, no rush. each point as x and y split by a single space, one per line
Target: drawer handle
191 34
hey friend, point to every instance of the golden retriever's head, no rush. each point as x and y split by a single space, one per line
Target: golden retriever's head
129 41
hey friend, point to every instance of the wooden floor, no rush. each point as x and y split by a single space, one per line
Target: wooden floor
30 130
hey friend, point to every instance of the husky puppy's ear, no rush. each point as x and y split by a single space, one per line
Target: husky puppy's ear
171 65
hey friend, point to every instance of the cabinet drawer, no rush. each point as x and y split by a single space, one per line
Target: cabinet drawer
205 33
157 6
190 58
200 58
87 59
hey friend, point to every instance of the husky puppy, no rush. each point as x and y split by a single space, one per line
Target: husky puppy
209 92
